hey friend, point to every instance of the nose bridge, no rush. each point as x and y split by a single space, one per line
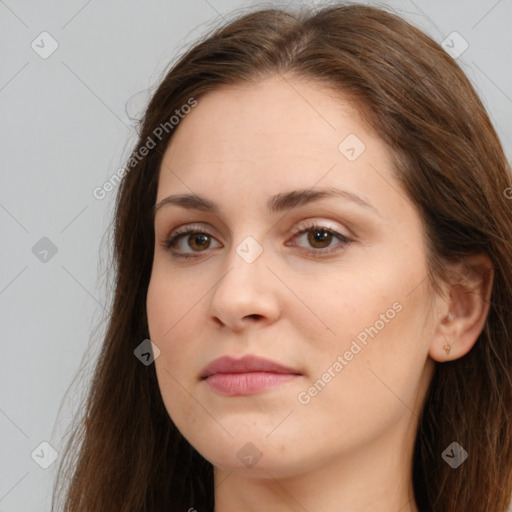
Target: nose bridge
244 289
245 263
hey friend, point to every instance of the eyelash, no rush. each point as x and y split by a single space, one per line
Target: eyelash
170 243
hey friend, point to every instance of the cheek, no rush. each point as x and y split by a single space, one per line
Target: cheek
167 306
160 305
376 322
173 311
169 302
377 383
163 311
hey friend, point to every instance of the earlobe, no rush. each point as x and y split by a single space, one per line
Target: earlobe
468 306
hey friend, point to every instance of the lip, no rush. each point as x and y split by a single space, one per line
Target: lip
245 364
247 375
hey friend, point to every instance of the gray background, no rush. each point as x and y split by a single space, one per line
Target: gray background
64 131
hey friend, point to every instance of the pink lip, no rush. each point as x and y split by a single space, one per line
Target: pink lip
245 376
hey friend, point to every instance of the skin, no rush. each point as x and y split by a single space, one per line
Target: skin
350 447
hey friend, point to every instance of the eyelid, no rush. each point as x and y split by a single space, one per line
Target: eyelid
303 224
344 240
300 229
186 229
189 227
316 224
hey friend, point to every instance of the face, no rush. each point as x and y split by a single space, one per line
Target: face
331 286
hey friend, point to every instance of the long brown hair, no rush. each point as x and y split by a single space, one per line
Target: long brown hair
125 453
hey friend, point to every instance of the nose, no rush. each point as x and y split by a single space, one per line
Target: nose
246 294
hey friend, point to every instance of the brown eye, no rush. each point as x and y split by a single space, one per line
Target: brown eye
319 238
189 242
199 241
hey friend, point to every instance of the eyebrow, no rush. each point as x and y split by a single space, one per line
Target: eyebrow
281 202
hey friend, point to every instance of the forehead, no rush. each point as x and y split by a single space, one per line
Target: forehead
273 121
274 135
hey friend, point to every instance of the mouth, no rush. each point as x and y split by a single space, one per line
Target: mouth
249 375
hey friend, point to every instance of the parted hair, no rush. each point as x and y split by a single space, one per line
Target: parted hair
124 453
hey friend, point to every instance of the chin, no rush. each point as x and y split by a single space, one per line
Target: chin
253 455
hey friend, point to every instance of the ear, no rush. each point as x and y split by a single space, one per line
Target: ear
463 311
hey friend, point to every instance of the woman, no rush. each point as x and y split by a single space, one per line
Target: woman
314 233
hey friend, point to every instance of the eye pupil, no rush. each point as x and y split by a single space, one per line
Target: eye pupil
200 240
319 235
